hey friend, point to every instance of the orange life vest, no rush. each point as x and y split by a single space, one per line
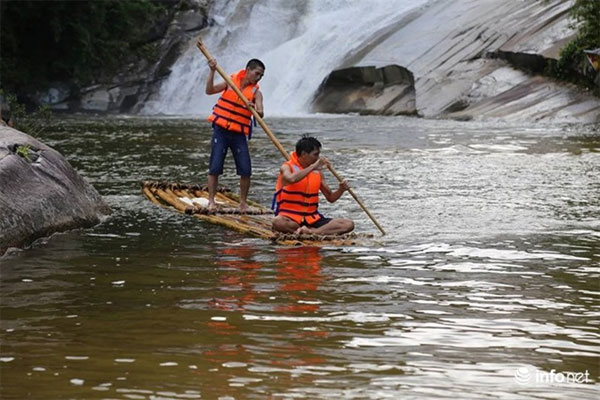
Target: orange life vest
299 201
230 112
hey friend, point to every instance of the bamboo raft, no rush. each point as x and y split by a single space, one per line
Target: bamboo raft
193 200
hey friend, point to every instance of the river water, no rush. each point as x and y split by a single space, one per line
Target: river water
486 285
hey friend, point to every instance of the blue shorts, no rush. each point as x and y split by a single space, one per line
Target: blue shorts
238 143
319 223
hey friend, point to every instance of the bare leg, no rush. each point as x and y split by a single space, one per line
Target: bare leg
244 189
303 230
284 225
336 226
213 180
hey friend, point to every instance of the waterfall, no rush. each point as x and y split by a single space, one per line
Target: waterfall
300 42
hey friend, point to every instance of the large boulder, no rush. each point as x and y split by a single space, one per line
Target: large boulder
40 193
368 90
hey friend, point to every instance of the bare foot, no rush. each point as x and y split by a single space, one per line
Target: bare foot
243 207
303 230
212 207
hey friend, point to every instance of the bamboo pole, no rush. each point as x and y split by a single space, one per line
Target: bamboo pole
241 223
270 134
150 196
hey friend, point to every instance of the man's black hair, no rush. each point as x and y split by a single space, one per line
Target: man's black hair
307 144
255 63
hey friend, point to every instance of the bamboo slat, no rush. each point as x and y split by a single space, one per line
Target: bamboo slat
257 222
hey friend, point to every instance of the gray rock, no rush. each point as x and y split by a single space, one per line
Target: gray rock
477 59
135 83
535 99
189 20
40 193
54 95
97 100
368 90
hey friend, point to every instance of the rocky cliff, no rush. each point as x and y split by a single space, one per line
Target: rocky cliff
459 59
139 79
477 59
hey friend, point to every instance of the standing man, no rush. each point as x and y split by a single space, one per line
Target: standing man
232 126
297 194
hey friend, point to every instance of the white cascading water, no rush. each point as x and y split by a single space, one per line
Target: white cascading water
300 42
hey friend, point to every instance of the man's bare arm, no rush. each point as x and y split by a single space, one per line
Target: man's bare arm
211 88
330 195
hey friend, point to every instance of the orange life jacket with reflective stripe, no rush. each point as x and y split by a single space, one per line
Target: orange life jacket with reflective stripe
298 201
230 112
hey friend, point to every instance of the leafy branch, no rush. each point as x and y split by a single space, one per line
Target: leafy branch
31 123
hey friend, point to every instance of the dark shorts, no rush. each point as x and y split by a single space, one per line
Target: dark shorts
319 223
238 143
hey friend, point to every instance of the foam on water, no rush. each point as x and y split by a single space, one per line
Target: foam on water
358 317
464 252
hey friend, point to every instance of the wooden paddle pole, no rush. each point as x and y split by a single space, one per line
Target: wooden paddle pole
257 117
270 134
360 203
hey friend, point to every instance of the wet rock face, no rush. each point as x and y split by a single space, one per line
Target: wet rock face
389 90
141 78
40 193
476 59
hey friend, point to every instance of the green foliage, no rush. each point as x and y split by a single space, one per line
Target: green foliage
45 41
30 123
587 12
586 18
23 151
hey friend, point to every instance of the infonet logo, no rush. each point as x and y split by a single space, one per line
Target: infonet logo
530 375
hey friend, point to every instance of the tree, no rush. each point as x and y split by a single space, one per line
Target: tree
586 16
46 41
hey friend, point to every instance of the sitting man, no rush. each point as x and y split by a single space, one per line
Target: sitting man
297 194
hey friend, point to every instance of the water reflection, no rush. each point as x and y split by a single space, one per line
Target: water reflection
254 349
490 269
299 272
237 278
